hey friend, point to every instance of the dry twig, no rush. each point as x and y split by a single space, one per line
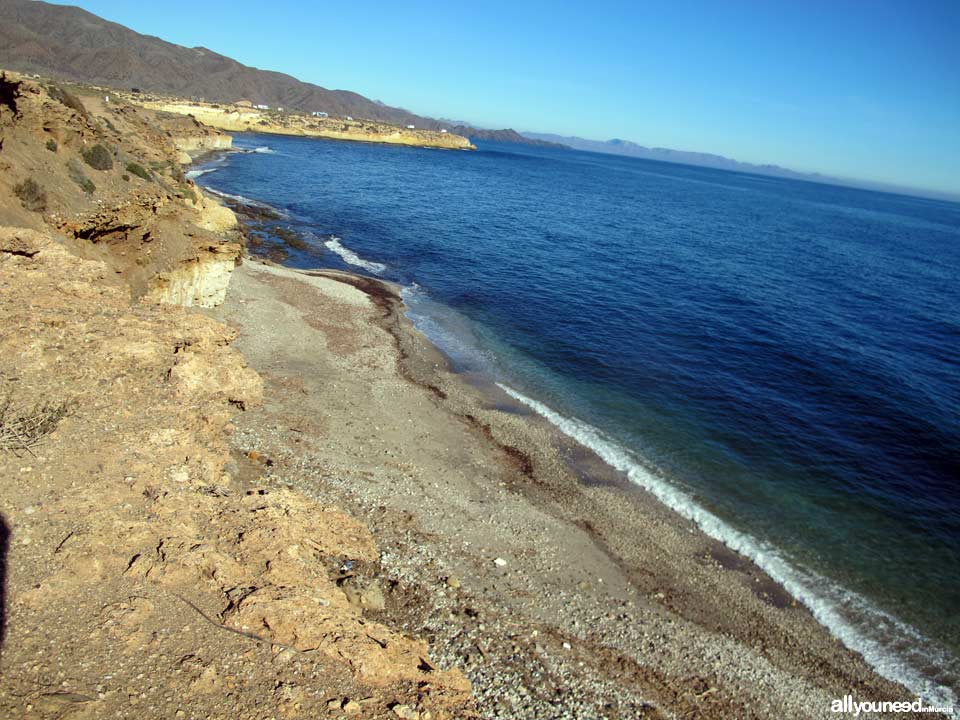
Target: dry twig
22 431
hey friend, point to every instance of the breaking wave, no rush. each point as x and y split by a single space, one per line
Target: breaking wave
351 258
896 650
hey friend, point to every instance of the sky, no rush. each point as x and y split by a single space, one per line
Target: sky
864 89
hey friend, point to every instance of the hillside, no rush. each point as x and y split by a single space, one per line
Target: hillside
72 44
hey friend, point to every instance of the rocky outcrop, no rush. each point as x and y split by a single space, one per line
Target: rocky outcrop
201 282
202 143
149 570
135 211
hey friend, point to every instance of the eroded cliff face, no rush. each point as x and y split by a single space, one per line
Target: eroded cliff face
149 572
202 282
107 177
202 143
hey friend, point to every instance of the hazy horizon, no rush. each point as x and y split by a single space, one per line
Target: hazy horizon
860 96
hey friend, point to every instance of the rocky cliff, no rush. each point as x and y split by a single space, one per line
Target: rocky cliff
146 570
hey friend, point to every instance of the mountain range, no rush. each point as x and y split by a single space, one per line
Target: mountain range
632 149
72 44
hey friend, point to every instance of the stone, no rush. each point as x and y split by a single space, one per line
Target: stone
351 707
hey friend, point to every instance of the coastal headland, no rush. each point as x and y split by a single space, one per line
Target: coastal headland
244 117
237 490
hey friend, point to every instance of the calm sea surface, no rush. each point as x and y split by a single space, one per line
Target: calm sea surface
778 360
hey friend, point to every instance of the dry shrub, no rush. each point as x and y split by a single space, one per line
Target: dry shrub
139 170
98 157
31 195
67 99
79 177
23 430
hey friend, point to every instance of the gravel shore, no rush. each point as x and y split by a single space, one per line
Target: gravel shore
557 587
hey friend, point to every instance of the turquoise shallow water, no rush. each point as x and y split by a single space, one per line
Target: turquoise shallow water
778 360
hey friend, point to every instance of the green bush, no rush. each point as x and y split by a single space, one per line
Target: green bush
31 195
79 177
98 157
139 170
52 145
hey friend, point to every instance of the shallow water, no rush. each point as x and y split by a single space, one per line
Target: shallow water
777 360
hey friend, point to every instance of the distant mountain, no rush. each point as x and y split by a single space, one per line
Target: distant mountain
625 147
510 136
632 149
72 44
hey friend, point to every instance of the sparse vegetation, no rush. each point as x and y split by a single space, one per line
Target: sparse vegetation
31 195
98 157
80 178
67 99
51 145
139 170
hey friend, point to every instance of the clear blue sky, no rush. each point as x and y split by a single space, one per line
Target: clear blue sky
865 89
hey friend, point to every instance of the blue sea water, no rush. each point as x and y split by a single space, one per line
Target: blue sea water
777 360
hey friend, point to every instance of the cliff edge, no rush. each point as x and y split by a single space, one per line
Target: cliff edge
145 569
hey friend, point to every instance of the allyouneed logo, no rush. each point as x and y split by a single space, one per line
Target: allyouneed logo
847 704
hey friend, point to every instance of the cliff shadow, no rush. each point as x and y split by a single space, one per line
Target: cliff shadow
4 544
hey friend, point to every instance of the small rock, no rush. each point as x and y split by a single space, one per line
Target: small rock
351 707
453 582
406 712
333 704
567 646
499 562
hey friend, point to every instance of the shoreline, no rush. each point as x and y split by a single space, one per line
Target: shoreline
539 476
287 504
599 461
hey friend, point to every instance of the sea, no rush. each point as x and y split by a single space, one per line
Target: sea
777 360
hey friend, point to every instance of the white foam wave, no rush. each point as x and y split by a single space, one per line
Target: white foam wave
351 258
262 150
896 650
194 174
